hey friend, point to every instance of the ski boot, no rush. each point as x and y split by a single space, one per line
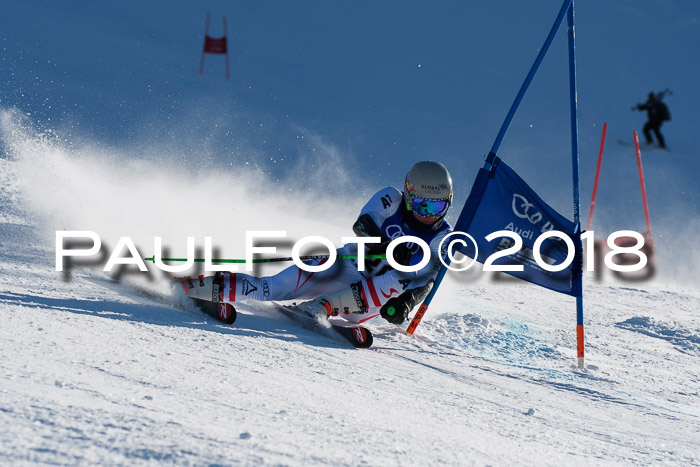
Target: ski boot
319 308
207 294
345 301
208 288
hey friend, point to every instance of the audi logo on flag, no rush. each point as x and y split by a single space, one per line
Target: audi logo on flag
524 209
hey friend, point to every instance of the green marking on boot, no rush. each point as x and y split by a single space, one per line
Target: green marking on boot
390 311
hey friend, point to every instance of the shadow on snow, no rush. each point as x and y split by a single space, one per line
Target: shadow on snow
247 325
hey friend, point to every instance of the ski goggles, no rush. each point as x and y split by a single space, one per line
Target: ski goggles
425 207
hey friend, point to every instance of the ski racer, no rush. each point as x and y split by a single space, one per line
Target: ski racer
419 210
657 113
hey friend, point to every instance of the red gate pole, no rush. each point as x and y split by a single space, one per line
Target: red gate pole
641 181
204 47
226 39
597 175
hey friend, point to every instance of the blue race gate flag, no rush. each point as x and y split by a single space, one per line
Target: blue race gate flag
501 200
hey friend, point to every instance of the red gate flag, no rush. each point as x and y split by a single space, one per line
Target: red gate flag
214 45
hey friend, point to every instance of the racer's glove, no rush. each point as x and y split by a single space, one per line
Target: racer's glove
396 309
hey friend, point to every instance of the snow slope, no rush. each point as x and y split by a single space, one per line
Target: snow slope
120 136
94 371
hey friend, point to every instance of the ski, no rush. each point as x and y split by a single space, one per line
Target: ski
358 336
221 311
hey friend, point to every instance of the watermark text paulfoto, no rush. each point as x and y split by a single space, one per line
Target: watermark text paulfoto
626 244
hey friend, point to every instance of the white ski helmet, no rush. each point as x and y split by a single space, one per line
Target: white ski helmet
428 189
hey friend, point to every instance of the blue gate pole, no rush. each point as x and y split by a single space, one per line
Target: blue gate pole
578 275
529 77
497 143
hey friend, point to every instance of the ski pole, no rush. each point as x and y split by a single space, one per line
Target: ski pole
268 260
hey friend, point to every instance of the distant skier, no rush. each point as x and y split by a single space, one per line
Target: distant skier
378 290
657 112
